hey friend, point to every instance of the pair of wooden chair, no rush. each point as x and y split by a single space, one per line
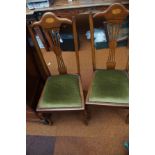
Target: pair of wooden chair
64 92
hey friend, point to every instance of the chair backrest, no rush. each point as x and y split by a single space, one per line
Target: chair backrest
48 31
113 18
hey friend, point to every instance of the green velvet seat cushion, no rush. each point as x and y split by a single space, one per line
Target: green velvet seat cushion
61 91
110 86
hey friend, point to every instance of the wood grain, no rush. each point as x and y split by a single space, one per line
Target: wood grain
76 4
112 19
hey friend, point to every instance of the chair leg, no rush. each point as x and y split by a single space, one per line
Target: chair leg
39 115
127 119
85 117
47 119
88 114
42 117
50 120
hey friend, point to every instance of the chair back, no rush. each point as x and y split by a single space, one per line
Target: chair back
112 17
47 28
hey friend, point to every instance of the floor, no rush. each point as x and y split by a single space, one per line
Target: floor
105 133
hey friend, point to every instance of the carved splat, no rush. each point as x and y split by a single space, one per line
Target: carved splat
113 32
50 25
113 18
53 38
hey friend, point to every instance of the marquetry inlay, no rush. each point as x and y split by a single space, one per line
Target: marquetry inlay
49 20
116 11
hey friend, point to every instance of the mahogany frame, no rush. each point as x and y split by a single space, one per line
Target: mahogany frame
49 21
113 15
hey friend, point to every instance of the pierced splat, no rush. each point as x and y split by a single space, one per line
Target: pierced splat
113 18
50 25
113 32
53 38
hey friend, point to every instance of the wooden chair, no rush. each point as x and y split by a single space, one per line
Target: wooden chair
109 87
61 92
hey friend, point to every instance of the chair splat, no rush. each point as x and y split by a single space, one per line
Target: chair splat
113 32
50 25
53 38
113 18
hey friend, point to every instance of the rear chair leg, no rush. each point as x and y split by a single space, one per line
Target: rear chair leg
40 115
127 119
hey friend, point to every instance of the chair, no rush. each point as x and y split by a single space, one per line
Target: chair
61 92
109 87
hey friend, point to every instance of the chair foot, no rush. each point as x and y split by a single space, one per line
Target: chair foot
127 119
47 119
43 118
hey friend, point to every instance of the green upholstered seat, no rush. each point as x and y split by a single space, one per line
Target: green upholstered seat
110 86
61 91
